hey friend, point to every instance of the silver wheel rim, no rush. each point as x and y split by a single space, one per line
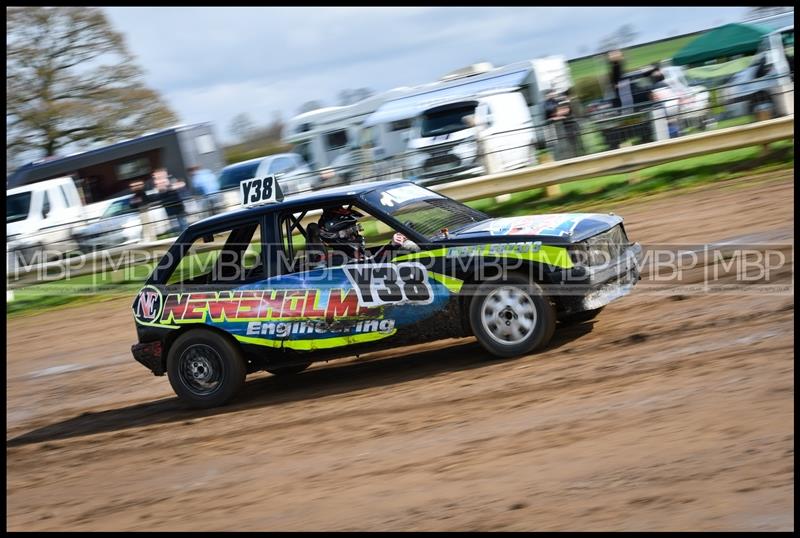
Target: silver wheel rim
508 315
200 369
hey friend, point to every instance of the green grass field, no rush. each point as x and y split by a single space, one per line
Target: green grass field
635 57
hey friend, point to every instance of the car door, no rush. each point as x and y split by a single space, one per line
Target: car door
345 303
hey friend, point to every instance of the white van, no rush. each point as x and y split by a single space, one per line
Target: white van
40 216
489 133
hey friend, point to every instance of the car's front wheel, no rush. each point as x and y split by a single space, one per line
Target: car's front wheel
511 317
205 369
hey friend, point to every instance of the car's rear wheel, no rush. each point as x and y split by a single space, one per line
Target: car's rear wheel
288 370
511 317
205 369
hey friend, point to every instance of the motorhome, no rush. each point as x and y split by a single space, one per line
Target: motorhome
533 79
378 130
328 137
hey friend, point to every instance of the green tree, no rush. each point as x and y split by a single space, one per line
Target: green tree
70 79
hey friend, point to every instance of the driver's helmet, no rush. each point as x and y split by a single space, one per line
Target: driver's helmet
339 229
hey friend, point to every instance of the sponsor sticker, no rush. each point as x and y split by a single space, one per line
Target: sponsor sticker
148 305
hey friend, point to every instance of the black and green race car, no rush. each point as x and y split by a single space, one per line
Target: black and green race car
237 293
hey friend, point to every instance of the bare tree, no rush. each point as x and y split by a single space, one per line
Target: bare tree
70 79
348 97
626 34
242 127
308 106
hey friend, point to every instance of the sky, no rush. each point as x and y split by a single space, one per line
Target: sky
211 64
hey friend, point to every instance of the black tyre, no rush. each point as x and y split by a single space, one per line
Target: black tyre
288 370
580 317
205 369
511 317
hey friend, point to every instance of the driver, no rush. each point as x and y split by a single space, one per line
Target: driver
340 232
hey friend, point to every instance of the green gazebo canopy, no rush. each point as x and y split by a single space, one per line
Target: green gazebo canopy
727 40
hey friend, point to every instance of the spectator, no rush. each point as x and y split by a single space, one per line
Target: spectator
171 196
204 183
140 201
616 70
328 177
203 180
557 111
572 128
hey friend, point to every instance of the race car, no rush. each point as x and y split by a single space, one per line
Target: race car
285 282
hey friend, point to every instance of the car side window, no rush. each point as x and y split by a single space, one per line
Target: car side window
281 165
304 250
225 257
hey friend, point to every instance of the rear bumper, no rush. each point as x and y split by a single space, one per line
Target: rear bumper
149 355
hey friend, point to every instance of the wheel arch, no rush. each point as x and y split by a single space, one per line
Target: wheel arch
170 339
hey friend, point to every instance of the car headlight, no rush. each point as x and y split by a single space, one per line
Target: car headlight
466 150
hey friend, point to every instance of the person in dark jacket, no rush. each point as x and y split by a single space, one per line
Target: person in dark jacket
616 70
170 195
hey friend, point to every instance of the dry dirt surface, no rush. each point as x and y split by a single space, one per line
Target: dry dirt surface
665 413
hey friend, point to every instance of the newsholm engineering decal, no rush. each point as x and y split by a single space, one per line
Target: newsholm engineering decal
350 304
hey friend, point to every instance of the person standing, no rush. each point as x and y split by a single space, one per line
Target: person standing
205 184
171 197
572 127
140 201
616 70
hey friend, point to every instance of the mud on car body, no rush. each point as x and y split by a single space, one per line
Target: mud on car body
236 293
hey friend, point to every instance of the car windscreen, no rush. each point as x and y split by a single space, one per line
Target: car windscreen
231 177
119 207
423 210
18 206
448 120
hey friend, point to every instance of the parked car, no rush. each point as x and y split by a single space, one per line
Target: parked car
295 176
683 105
120 224
766 79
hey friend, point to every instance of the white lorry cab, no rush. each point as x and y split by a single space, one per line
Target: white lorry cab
39 217
489 133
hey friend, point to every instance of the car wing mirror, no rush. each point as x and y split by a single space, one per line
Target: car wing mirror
208 238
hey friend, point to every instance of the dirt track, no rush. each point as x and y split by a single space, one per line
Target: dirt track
666 413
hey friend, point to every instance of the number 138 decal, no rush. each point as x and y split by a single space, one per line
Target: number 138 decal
388 283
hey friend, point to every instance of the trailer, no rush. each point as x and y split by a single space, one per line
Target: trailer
106 172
